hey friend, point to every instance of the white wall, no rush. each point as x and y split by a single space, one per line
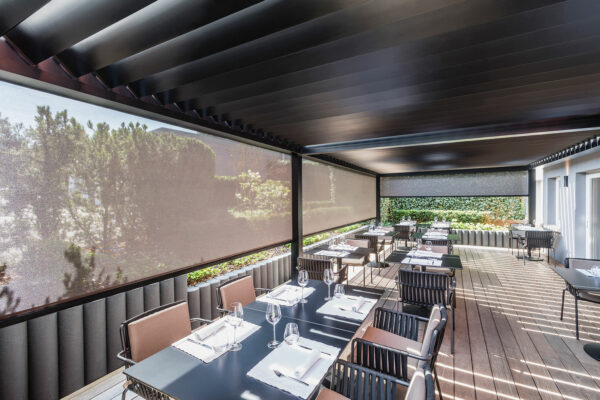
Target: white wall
570 200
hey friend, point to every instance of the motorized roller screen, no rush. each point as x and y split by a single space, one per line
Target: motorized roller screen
506 183
89 206
333 197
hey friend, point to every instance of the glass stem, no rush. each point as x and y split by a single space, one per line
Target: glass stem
234 329
329 291
274 338
302 292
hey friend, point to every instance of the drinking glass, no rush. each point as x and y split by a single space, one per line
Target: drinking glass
328 279
338 291
434 219
273 316
303 281
235 317
419 244
428 245
291 333
403 218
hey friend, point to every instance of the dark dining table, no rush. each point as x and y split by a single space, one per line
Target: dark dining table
355 254
580 282
182 376
449 261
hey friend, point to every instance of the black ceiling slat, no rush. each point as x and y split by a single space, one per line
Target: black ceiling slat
494 153
414 38
358 18
159 22
60 24
414 75
387 95
12 12
249 24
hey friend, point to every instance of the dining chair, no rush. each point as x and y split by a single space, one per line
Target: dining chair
392 340
239 289
427 289
404 233
150 332
539 240
354 382
589 296
316 268
514 237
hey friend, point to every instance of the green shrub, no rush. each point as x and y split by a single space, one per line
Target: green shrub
429 215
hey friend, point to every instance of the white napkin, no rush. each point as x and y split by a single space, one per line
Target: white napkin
217 344
287 295
286 358
348 307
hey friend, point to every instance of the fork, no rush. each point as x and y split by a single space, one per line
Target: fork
280 374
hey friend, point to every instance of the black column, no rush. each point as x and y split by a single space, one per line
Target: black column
296 212
378 200
532 194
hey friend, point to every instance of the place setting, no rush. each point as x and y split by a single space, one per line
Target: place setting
290 295
297 365
342 305
423 255
218 338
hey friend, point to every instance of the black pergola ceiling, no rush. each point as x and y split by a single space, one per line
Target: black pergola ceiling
313 72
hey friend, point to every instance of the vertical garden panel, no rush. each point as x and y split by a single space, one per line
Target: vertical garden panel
264 275
42 333
71 350
94 328
116 313
485 238
14 362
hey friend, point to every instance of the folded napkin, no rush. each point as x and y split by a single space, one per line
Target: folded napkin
330 253
210 345
355 308
287 295
310 366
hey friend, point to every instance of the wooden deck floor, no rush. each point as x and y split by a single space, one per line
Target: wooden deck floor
510 341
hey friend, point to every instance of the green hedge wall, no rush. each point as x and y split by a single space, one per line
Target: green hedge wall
502 208
396 215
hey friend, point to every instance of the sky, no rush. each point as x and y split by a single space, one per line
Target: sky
18 104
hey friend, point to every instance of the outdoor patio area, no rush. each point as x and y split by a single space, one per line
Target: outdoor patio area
510 341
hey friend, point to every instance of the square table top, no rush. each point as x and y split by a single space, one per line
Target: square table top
578 280
450 261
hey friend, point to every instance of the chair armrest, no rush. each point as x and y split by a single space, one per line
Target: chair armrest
128 361
382 358
206 321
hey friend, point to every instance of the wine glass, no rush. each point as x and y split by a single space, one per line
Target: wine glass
328 279
338 291
428 245
419 244
235 317
273 316
434 219
303 281
291 335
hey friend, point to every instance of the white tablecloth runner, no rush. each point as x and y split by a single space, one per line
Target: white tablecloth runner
593 272
205 354
343 247
287 295
424 254
287 357
433 235
331 253
422 261
343 308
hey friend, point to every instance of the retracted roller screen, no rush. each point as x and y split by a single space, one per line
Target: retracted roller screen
86 207
506 183
333 197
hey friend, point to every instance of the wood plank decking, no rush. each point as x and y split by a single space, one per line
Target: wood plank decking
510 341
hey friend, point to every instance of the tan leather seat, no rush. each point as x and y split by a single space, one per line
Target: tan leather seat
392 340
435 317
326 394
157 331
353 261
241 290
358 243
